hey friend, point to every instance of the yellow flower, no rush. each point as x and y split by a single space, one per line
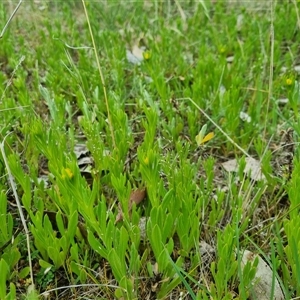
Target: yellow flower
222 49
289 81
67 173
146 160
147 55
202 137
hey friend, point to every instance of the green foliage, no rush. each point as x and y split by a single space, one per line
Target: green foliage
225 268
292 250
218 54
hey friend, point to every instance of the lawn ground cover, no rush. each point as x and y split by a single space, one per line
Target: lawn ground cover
149 150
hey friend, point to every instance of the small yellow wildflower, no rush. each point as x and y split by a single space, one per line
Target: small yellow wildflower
146 160
222 49
147 55
67 173
289 81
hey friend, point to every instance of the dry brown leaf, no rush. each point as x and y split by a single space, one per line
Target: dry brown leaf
253 167
136 197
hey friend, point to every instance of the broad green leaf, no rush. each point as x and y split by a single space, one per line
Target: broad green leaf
96 245
56 256
154 235
12 257
64 244
162 261
168 227
3 213
127 286
50 102
117 264
110 234
168 200
48 226
170 246
3 276
74 252
134 263
82 276
40 242
12 292
75 268
44 264
10 224
135 235
101 214
122 243
72 225
24 272
60 223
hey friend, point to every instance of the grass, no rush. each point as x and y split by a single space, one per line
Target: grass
121 196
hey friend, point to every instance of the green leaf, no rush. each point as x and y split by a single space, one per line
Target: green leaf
153 216
24 272
3 213
154 235
117 264
101 214
64 244
122 243
82 276
44 264
72 225
127 286
60 223
3 277
74 252
56 256
168 227
134 263
10 224
170 246
119 293
39 242
109 236
168 201
12 292
232 268
50 102
162 261
150 269
47 227
12 257
135 235
96 245
75 268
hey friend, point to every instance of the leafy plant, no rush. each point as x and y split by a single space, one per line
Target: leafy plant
158 105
